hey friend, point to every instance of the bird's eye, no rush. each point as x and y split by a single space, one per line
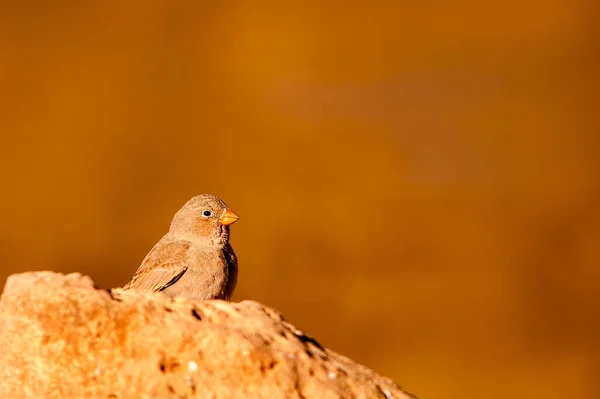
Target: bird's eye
207 214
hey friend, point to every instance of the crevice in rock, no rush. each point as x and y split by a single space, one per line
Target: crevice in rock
270 366
302 336
196 314
113 297
191 384
297 383
305 339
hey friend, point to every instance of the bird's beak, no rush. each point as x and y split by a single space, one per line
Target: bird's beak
229 217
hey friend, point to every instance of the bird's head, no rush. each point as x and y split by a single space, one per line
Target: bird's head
204 216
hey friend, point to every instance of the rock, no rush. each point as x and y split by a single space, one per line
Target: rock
60 337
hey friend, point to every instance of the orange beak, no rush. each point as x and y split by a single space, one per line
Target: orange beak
229 217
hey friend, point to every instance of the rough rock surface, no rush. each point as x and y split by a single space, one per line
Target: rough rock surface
62 338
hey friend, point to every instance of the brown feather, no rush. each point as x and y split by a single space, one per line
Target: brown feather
163 266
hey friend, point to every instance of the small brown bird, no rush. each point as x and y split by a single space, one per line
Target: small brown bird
194 259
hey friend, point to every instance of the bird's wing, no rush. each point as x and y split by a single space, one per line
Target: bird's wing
162 267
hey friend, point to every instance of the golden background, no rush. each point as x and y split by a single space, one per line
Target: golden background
417 181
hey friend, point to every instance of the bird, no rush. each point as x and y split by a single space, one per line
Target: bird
194 259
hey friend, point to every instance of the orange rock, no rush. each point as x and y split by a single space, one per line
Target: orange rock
62 338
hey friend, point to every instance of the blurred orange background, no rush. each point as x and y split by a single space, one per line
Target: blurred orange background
417 182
